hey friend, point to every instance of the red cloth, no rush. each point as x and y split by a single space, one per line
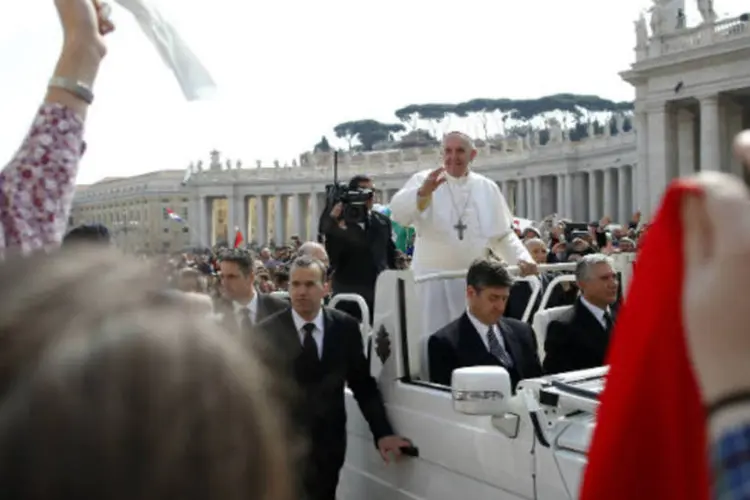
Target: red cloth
238 238
650 438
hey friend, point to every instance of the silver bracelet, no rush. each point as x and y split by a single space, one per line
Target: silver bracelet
75 87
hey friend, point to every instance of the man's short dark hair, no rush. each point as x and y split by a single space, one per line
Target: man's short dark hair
359 179
306 262
242 258
88 234
486 273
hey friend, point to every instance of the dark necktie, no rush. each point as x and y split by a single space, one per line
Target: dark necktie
309 346
497 350
246 323
608 321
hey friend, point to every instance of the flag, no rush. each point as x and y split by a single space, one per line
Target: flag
174 216
238 239
650 438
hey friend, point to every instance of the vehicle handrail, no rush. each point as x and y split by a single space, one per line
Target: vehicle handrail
513 270
535 284
563 278
364 310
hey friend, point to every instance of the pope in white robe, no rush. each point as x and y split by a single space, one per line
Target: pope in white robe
458 214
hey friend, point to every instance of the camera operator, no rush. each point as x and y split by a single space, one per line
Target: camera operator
358 241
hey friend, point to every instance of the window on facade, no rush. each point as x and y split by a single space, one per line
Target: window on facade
185 229
166 229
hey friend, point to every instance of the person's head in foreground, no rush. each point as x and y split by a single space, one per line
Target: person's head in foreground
88 234
106 391
488 285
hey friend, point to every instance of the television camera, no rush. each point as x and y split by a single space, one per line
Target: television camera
353 198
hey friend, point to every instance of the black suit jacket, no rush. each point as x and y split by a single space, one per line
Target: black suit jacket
359 255
268 305
576 341
458 345
520 293
319 410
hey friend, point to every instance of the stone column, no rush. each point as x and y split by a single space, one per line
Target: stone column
593 210
240 216
206 216
710 139
297 220
231 218
568 196
261 203
560 195
538 199
279 238
659 160
529 198
622 196
685 142
315 210
607 199
194 220
520 198
640 175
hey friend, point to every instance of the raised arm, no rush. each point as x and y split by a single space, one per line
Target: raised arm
415 197
37 186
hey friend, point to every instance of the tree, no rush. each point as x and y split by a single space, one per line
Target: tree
506 116
346 131
323 146
409 116
367 132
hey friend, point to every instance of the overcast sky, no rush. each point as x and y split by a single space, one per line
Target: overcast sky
288 71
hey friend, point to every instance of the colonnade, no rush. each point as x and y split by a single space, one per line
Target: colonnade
275 218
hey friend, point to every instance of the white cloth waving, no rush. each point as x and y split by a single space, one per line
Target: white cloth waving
195 81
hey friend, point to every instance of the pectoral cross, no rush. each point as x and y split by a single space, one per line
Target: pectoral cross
460 227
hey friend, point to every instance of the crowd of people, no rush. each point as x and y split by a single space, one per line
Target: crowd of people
145 388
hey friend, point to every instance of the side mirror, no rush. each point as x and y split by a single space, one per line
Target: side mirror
481 390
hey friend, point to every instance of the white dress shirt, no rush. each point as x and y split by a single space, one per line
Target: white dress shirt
300 322
484 329
252 306
598 312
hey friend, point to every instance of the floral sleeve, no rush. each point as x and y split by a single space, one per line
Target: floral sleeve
37 186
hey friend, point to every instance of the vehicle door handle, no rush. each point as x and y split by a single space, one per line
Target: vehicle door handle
410 451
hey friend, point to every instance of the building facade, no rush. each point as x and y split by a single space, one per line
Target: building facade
135 210
580 180
692 87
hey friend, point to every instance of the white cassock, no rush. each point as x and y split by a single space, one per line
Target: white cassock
471 207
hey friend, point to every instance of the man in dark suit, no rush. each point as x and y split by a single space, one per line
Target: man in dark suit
579 339
322 350
248 306
359 251
482 336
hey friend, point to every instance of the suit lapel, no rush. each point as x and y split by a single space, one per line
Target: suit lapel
262 311
512 344
471 341
331 340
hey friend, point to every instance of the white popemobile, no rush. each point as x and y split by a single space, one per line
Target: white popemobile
475 440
